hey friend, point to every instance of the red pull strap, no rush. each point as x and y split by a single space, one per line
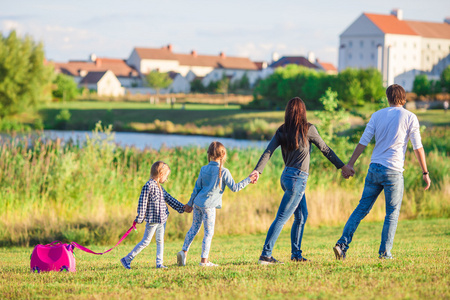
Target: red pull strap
101 253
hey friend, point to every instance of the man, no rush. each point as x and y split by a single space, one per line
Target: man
392 127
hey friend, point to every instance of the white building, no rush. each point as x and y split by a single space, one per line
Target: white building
163 59
398 48
104 83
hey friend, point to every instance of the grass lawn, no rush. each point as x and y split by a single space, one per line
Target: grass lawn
420 270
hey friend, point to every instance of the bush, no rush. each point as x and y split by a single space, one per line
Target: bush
421 85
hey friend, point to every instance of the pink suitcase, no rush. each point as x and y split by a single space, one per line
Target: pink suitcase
55 256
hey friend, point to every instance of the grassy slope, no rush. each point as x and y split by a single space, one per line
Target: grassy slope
421 269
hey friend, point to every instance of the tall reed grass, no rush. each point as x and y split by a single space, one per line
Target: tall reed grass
88 193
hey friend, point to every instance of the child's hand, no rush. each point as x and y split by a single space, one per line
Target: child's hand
254 176
187 208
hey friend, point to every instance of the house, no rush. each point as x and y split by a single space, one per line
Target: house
164 59
180 84
398 48
296 60
105 83
127 75
328 68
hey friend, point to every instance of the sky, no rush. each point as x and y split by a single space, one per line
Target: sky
72 30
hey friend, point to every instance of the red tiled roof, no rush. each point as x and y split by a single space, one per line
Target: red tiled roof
327 66
194 59
117 66
151 53
390 24
430 29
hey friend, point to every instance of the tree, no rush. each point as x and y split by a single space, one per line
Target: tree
372 83
445 79
223 86
197 86
66 88
421 85
24 79
157 81
330 117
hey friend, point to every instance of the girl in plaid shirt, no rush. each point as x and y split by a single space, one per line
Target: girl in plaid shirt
153 209
206 197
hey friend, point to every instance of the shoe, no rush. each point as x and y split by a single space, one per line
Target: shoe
125 264
298 259
208 264
181 258
161 267
339 252
265 260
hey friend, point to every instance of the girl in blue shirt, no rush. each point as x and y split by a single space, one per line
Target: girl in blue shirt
206 197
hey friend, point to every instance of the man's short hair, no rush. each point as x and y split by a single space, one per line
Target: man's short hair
396 94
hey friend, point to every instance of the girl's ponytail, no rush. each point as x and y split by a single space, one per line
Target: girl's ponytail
216 151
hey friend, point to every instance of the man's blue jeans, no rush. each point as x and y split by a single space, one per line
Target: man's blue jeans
378 178
293 182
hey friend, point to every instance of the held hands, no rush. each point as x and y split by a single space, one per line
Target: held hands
254 176
188 208
347 171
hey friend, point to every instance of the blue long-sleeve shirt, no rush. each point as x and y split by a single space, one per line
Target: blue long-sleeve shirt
207 192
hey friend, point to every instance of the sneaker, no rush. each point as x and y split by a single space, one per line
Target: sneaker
339 252
161 267
298 259
265 260
208 264
125 263
181 258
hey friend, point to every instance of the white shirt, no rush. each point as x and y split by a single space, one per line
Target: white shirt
392 128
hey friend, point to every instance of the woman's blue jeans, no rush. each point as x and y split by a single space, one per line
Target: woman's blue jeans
378 178
293 182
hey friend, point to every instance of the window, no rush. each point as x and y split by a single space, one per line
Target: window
428 46
372 56
439 47
373 43
349 56
361 56
361 44
350 44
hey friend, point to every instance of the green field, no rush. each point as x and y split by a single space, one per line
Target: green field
420 269
200 119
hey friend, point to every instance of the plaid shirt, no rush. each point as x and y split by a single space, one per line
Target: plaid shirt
152 204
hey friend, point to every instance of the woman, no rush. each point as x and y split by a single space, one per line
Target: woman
295 137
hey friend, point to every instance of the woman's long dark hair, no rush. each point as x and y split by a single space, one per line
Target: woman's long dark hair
295 124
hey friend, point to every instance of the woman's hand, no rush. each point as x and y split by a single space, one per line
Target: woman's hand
254 176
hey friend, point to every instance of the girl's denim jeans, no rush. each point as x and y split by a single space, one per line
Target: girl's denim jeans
208 217
293 183
150 230
378 178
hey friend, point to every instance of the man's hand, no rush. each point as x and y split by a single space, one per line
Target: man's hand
347 171
427 180
254 176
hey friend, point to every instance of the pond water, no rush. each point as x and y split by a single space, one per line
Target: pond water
156 141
